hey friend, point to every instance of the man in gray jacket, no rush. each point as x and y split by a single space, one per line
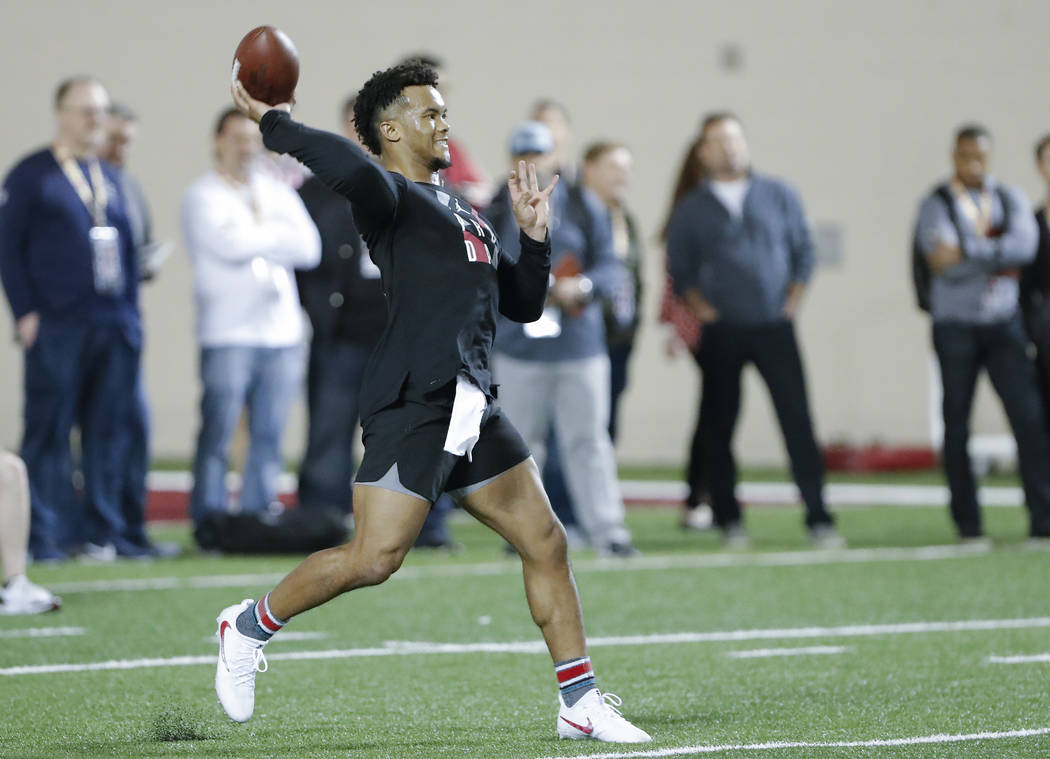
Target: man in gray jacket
739 254
975 234
556 369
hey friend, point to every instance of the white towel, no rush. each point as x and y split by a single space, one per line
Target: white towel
464 428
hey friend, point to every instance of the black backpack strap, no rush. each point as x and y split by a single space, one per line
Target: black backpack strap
921 275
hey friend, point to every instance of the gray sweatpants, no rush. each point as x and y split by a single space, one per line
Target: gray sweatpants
574 397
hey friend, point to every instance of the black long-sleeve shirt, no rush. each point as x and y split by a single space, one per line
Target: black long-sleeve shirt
441 268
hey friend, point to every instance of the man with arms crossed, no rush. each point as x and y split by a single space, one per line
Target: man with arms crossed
430 424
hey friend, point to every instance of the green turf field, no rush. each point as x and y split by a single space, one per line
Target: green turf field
890 629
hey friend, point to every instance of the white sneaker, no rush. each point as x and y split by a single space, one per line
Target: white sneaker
240 657
596 716
106 552
20 596
697 518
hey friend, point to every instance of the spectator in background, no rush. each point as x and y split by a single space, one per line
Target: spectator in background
343 298
245 232
121 133
68 266
556 118
1035 283
18 595
740 255
464 175
555 371
684 332
606 173
975 234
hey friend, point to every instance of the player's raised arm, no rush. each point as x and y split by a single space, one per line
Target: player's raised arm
531 205
335 160
523 285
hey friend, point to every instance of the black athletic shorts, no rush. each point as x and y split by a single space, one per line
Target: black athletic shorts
405 450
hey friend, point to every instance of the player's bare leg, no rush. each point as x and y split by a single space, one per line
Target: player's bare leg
516 507
386 524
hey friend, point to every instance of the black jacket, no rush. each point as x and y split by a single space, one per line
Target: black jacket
342 300
440 264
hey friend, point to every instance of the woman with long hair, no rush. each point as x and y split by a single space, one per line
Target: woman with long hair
685 331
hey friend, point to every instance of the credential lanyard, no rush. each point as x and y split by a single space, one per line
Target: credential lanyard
94 194
978 214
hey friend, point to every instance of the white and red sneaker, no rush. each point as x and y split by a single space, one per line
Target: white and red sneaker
240 657
20 596
596 716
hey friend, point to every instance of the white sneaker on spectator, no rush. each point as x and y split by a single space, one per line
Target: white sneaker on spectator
824 537
20 596
240 658
697 518
736 538
595 716
96 552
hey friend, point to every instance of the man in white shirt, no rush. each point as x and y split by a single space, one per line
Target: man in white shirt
245 232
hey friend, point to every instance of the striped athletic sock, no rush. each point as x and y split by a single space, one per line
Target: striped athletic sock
575 678
257 621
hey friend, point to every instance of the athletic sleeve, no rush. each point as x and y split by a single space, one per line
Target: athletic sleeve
523 284
338 163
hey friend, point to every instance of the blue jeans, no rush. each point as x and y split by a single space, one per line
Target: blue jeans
333 390
84 374
263 380
135 441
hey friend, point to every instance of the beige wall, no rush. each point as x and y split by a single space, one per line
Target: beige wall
852 103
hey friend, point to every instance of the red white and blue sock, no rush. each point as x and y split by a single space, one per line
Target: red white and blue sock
257 621
575 678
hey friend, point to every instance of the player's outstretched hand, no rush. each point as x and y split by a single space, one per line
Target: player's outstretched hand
252 108
531 204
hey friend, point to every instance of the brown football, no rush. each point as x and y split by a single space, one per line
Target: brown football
267 64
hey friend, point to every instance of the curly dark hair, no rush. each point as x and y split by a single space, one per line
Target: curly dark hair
380 91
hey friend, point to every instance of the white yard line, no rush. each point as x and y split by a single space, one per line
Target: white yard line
772 746
513 567
413 648
1032 659
768 653
42 632
836 494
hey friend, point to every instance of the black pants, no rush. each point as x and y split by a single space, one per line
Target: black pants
695 472
724 351
1001 348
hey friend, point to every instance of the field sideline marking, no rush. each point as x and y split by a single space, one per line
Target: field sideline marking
673 491
767 653
42 632
410 648
512 567
718 749
1033 659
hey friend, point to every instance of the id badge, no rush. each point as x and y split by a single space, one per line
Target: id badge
109 272
548 325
